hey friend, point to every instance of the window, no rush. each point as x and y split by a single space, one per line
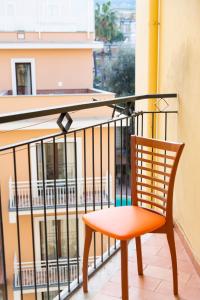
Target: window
23 76
59 161
62 246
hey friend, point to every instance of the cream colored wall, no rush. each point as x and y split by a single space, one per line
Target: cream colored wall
72 67
141 51
18 103
179 71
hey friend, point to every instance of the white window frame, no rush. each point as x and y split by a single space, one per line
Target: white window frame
37 221
13 72
61 140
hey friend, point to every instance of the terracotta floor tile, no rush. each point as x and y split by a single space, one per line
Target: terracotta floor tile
166 288
186 267
157 282
156 260
165 274
141 294
156 242
181 253
194 281
150 250
112 289
104 297
145 282
132 269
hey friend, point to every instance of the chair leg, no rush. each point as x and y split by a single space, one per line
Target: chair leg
124 269
88 239
139 255
171 242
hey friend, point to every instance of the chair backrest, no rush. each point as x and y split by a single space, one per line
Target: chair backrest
153 169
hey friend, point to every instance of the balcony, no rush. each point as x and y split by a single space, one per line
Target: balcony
57 92
63 193
68 270
41 220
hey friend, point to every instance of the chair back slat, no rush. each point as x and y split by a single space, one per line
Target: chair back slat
153 169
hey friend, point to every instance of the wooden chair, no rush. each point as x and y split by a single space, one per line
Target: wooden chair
153 169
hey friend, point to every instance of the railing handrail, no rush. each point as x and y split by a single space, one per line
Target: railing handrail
23 191
30 114
42 263
48 181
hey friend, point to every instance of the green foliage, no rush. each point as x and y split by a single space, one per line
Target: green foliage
119 74
106 26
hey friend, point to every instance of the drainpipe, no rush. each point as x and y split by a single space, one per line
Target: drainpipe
153 59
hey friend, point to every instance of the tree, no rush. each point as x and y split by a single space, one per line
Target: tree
120 73
106 26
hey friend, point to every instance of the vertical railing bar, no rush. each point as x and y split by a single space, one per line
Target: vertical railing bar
55 211
165 152
132 124
108 164
101 166
115 161
142 127
3 251
133 133
45 218
137 120
108 179
152 150
77 223
127 147
85 173
121 162
93 170
93 191
32 221
152 125
166 126
67 213
101 183
18 229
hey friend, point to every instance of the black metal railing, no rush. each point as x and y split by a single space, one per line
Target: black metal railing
42 236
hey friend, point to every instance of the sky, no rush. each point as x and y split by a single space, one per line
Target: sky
127 4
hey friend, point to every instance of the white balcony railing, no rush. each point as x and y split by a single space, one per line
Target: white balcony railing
28 278
97 193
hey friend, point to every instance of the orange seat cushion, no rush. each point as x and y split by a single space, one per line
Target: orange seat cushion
125 222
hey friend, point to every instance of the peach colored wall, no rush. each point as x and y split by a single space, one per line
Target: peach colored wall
72 67
48 36
17 103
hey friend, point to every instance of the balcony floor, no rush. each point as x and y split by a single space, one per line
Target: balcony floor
156 284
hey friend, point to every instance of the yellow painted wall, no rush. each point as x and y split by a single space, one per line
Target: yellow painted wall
179 71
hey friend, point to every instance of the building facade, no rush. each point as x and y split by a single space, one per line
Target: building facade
46 60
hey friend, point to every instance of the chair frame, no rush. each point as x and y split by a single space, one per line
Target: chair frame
167 228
